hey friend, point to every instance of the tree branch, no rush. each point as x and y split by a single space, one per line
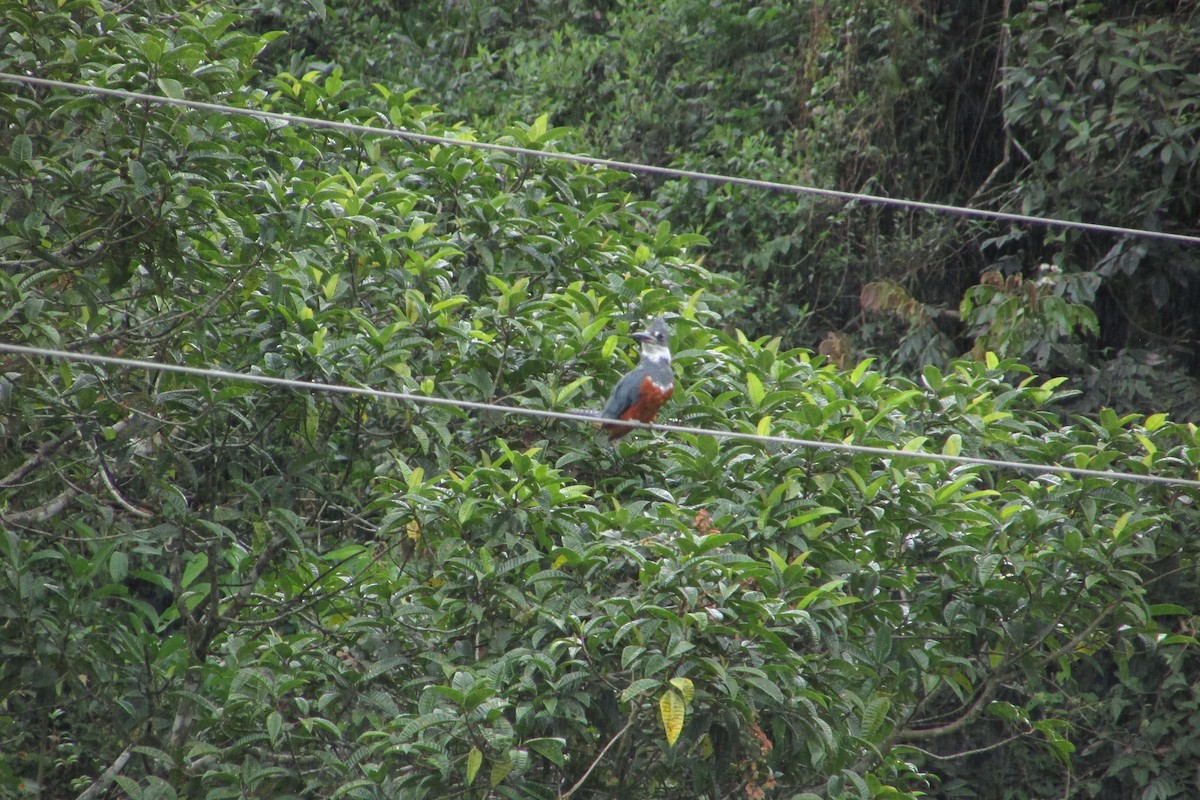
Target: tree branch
116 495
34 461
967 753
107 777
973 709
35 516
599 757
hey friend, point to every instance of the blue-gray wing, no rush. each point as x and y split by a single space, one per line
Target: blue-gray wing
623 396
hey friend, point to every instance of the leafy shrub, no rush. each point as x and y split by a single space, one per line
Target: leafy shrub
225 589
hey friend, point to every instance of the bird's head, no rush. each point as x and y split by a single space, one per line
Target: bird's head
655 340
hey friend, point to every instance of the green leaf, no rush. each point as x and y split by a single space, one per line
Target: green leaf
810 515
860 370
763 684
1180 639
754 389
171 88
549 748
1169 609
875 714
196 565
826 589
1154 422
118 566
437 716
571 389
538 129
21 148
638 687
1120 525
500 769
988 565
329 286
449 304
415 478
776 560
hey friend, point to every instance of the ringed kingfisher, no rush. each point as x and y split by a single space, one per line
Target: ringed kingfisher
641 393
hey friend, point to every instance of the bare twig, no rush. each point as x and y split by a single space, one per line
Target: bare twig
1078 639
55 506
117 496
1009 141
599 756
107 777
966 753
973 709
43 512
34 461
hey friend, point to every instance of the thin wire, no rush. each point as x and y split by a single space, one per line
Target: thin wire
592 419
627 166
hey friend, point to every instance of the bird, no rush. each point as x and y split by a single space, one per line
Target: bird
643 390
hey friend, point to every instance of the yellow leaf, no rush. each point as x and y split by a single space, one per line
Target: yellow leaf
685 688
474 762
671 711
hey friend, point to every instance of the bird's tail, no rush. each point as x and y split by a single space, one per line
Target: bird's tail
591 412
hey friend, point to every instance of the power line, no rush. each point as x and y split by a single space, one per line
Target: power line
471 405
626 166
611 164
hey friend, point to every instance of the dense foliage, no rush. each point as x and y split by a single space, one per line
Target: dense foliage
213 588
1075 110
